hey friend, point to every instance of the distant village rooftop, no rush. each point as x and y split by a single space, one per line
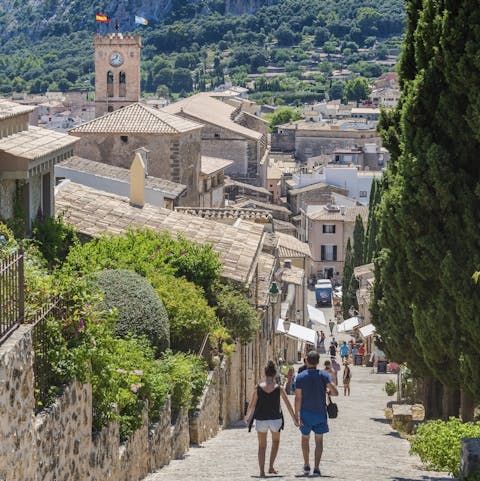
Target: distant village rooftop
333 212
340 125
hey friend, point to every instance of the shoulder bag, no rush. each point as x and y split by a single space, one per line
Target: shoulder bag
332 409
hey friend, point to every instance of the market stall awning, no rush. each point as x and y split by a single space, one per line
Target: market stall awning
367 330
316 315
297 331
348 324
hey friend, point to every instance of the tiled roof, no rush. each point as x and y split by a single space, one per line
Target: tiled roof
256 204
349 213
289 246
137 118
242 185
266 264
208 109
222 214
293 275
210 165
119 173
308 188
282 226
36 142
94 213
11 109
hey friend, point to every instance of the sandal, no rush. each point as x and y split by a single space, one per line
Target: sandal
272 471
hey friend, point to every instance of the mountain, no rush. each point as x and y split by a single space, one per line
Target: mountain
38 18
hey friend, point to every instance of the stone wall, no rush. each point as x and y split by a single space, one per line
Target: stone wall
17 429
57 445
204 423
283 141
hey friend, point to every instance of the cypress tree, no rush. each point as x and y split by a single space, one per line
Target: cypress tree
347 301
430 210
370 244
358 238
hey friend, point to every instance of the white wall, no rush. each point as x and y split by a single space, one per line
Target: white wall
105 184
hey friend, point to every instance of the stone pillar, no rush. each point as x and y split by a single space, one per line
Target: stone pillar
470 458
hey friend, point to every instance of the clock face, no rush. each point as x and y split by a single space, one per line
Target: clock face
116 59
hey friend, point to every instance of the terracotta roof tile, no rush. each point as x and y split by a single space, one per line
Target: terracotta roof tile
11 109
210 110
94 212
35 142
137 118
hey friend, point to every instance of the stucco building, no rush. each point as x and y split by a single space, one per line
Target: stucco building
327 230
173 142
27 158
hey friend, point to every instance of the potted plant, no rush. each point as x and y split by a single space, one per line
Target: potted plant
390 388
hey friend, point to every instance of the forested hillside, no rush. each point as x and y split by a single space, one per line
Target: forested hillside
188 45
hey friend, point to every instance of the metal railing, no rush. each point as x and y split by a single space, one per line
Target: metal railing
12 293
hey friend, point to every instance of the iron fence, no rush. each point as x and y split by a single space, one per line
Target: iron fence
12 293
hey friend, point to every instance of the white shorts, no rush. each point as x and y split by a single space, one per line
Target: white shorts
263 426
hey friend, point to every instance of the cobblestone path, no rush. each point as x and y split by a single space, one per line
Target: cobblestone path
361 446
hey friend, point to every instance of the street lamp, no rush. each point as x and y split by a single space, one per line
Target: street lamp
274 293
286 325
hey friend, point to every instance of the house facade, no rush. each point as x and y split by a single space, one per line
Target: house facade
328 229
27 158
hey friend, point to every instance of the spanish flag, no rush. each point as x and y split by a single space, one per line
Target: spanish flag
102 18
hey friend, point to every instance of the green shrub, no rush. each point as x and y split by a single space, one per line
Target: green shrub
148 252
54 237
390 387
140 310
187 374
236 313
438 443
189 314
124 377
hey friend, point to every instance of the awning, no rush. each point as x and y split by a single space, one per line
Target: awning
367 330
348 324
316 315
297 331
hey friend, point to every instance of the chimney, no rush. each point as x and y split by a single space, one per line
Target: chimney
137 181
144 154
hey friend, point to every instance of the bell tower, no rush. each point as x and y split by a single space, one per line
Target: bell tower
117 71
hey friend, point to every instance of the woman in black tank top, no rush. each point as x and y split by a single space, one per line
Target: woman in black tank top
265 409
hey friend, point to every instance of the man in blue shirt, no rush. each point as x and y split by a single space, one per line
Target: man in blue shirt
311 408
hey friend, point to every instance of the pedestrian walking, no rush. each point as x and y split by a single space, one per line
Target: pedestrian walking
303 367
321 343
344 351
333 374
347 376
333 351
311 409
266 411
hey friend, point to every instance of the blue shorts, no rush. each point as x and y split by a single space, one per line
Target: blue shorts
315 422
